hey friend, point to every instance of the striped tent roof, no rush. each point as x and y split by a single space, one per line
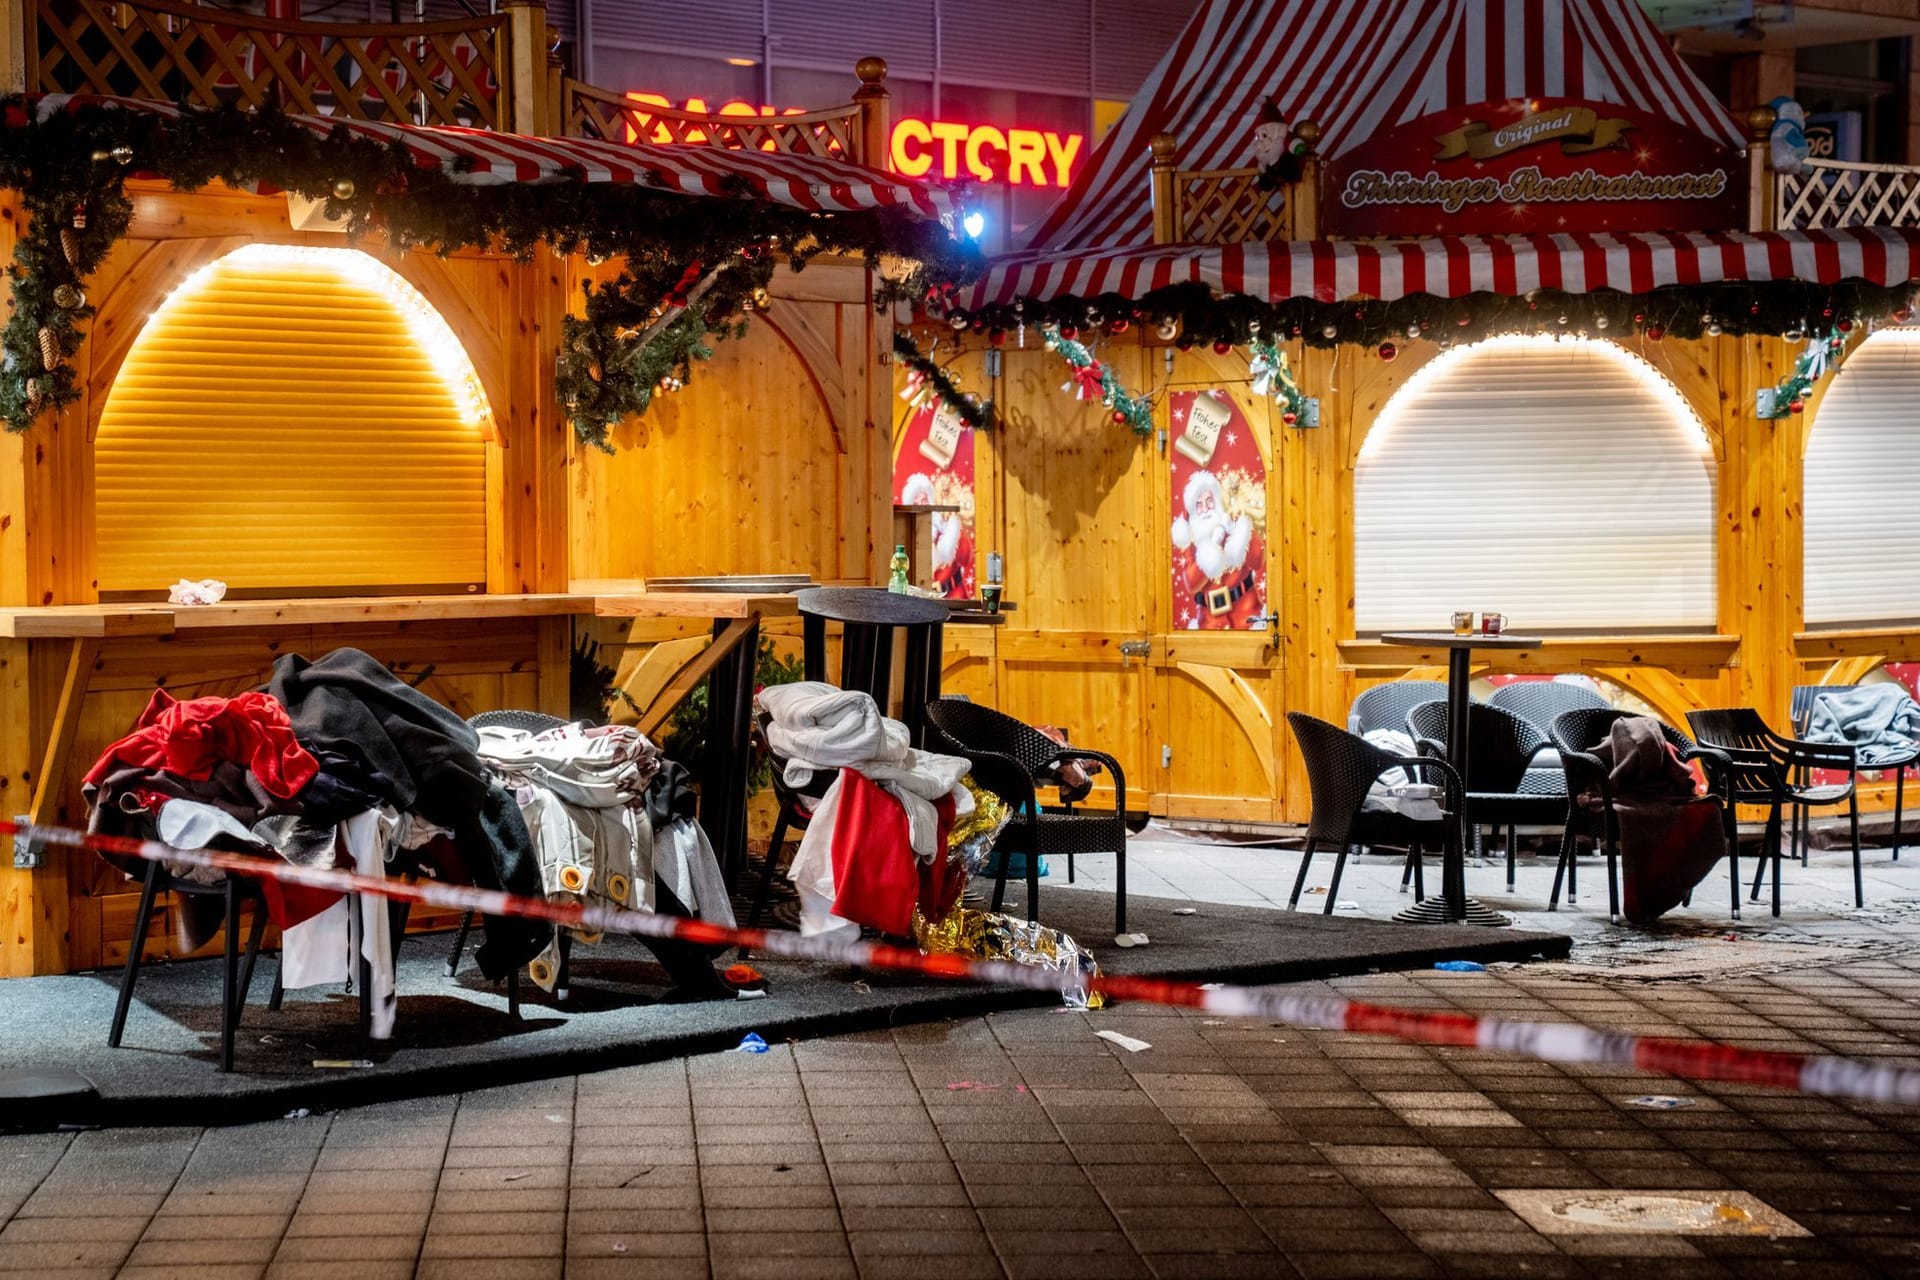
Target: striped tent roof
1456 266
1357 67
478 157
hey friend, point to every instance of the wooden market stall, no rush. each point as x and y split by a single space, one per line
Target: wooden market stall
1288 265
433 456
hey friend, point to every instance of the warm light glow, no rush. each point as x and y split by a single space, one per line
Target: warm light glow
428 329
1657 384
743 62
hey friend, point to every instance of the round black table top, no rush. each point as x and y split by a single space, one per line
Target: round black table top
1455 640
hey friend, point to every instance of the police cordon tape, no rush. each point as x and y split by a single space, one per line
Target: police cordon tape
1822 1074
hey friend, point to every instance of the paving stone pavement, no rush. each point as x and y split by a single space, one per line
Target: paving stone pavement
1023 1145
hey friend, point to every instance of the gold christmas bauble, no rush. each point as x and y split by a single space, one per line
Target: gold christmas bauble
343 188
68 298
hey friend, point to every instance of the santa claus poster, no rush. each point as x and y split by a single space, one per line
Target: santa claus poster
933 466
1219 515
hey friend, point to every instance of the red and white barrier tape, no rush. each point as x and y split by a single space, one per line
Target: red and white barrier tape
1550 1042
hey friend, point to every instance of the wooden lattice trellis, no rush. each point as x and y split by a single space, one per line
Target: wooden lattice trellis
427 73
1229 206
1833 193
597 113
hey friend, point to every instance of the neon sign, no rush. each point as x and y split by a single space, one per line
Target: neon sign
933 148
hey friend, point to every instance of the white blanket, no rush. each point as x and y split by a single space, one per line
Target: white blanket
816 727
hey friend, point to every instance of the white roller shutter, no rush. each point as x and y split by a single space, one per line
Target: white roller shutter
1862 500
1566 484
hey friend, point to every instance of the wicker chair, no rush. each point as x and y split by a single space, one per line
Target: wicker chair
1500 748
1770 770
1341 770
1804 696
1012 760
1385 706
1575 734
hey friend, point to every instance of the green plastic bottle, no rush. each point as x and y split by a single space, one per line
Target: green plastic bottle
897 575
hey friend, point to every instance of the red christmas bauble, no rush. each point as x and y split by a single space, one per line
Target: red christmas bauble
1184 342
996 336
1845 326
1118 326
1903 315
1388 351
1069 332
1639 317
1826 313
1796 406
1464 319
1289 417
979 325
1222 347
1655 332
1119 417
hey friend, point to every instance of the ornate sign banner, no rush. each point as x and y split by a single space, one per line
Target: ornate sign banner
1539 165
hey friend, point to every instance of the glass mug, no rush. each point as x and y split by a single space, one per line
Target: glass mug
1463 623
1492 624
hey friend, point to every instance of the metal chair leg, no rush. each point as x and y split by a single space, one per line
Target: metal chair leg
1732 832
1772 847
1512 840
1406 869
459 944
1611 852
1333 886
229 972
1033 879
1853 824
1419 874
142 919
513 994
1569 850
1899 800
1119 883
254 936
1300 881
564 977
279 991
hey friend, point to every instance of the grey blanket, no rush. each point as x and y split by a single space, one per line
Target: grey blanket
1881 721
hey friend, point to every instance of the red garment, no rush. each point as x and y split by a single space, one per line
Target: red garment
190 738
876 875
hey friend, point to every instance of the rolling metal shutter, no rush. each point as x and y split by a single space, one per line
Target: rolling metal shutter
291 418
1566 484
1862 500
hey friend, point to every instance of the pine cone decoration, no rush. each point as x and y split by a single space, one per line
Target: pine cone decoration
49 348
70 245
33 395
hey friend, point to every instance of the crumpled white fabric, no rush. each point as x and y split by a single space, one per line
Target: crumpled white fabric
204 591
817 727
319 951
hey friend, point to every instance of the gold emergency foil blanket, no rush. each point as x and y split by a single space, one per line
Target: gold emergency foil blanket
971 838
994 935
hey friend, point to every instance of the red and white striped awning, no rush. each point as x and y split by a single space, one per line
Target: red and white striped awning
1454 266
1357 68
479 157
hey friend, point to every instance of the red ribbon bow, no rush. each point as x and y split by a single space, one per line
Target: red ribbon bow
677 296
1090 377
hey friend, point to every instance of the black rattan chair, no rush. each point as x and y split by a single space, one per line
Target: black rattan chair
1575 734
1770 770
1804 696
1385 706
1501 747
1012 759
1341 770
868 619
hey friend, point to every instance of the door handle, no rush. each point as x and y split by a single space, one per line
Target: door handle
1131 649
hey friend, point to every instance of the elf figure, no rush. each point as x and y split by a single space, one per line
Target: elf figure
1276 152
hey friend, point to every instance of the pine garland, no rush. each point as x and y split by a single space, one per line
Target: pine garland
71 170
939 384
1813 364
1783 308
1093 379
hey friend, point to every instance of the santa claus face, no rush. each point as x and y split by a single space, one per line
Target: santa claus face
1269 143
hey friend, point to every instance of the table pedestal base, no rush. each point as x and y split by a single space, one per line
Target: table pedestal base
1434 911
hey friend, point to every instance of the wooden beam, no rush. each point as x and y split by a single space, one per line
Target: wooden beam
48 944
688 677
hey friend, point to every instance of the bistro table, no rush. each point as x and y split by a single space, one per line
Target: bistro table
1454 906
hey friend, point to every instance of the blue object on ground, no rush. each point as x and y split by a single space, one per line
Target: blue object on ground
752 1043
1017 867
1461 966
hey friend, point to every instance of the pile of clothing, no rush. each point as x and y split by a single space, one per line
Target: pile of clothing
894 838
335 763
612 826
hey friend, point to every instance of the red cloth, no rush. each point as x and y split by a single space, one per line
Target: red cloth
876 876
190 738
